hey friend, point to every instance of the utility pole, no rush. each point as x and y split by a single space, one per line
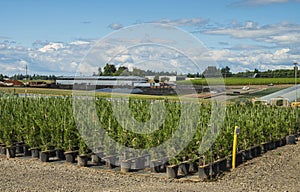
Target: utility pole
296 98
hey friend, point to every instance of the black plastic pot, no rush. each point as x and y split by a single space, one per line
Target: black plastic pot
125 166
146 160
229 162
11 152
203 171
19 148
264 148
172 171
70 156
35 152
257 150
248 153
82 160
215 169
193 167
244 154
26 151
95 159
112 161
44 156
137 163
283 141
183 168
158 166
272 145
290 139
239 158
59 153
277 143
223 164
155 166
3 149
253 152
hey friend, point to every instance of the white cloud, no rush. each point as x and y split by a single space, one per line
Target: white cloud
115 26
250 25
281 34
147 51
182 22
79 43
261 59
281 52
52 58
51 47
3 45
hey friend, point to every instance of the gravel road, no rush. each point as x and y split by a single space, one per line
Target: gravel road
277 170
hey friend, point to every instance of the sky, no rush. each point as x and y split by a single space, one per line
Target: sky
54 37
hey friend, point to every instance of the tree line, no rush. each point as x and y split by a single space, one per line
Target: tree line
225 72
211 71
112 70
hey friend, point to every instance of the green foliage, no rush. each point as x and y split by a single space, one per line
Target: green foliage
41 122
109 70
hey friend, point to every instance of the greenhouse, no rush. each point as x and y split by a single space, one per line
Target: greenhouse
288 94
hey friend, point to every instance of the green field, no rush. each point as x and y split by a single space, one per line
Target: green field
240 81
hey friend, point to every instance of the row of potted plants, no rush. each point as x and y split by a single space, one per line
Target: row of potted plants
47 124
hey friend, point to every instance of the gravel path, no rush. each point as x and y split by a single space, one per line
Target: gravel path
277 170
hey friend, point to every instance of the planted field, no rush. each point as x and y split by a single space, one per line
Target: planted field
49 123
64 92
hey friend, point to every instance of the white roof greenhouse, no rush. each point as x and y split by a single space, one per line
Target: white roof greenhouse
288 94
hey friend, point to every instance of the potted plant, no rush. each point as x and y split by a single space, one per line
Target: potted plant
71 142
204 167
172 168
70 153
10 138
34 139
83 156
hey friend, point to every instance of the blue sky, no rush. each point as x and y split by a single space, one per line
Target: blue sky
52 37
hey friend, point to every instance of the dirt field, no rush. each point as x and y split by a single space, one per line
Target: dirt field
277 170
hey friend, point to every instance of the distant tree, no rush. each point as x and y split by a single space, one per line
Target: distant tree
109 70
138 72
121 71
226 72
193 75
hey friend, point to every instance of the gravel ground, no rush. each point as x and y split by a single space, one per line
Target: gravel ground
277 170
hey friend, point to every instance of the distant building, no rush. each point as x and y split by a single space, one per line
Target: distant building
15 83
98 82
171 78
